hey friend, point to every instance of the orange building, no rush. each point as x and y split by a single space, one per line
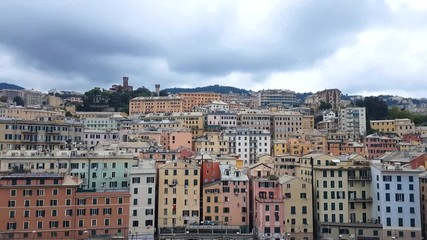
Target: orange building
339 147
52 206
197 99
144 105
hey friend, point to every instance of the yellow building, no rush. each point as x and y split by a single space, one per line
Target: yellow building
144 105
308 122
280 147
343 195
178 195
211 143
399 126
197 99
297 197
27 113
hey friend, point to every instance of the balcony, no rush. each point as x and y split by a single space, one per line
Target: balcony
359 178
269 200
360 200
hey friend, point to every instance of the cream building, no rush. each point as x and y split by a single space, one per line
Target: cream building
344 202
47 133
399 126
179 195
144 105
298 207
211 143
27 113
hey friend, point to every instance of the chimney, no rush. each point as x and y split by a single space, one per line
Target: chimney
157 89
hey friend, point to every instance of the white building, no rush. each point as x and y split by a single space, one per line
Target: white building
352 120
276 97
221 120
396 200
248 143
142 203
218 106
93 137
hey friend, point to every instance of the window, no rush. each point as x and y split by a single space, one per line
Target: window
400 222
304 210
13 192
412 222
54 192
40 203
388 221
28 192
400 197
293 210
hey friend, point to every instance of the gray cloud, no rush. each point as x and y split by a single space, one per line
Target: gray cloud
93 43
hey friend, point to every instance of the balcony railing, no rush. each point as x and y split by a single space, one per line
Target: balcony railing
359 178
269 200
365 199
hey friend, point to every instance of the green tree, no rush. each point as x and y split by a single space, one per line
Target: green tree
68 114
325 105
376 109
3 99
19 101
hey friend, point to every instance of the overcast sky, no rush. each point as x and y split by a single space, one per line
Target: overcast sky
361 47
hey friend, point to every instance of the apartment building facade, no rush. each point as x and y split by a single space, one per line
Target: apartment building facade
211 143
144 105
197 99
267 210
352 120
226 201
52 206
178 195
399 126
344 201
396 203
377 145
27 113
142 214
46 133
276 97
297 201
248 143
105 170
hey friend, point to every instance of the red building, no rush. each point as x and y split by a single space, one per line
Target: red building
377 145
211 172
52 206
412 137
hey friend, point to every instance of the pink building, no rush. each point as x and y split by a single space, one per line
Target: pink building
169 139
377 145
175 139
226 201
268 213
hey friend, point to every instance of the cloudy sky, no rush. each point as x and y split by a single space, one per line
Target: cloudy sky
361 47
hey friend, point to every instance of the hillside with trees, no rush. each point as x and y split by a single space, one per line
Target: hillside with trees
212 88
